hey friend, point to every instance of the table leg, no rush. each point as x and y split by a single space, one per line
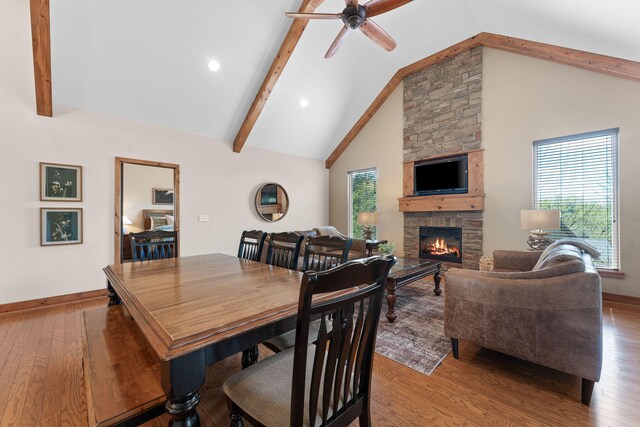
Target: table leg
436 279
114 299
181 379
249 356
391 302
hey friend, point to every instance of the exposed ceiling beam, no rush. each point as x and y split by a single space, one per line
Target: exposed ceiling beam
41 39
576 58
282 57
617 67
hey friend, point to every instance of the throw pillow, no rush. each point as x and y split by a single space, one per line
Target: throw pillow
158 221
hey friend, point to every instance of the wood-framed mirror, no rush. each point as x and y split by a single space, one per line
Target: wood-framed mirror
147 197
272 202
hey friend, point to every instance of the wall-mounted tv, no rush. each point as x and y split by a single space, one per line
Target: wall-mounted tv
269 195
441 176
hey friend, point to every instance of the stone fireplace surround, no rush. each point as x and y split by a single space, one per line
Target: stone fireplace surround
442 115
470 222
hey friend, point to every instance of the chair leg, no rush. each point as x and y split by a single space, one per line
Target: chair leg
365 416
454 347
587 391
235 419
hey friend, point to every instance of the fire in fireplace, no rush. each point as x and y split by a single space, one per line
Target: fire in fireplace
441 243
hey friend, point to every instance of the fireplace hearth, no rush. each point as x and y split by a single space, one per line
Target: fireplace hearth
441 244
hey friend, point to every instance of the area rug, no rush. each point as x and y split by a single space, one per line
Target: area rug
416 339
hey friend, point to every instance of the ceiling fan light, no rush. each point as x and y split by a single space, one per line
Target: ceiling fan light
304 103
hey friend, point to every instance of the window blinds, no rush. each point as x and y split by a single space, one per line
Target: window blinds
579 175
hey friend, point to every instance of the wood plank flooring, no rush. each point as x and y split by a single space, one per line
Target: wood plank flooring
41 381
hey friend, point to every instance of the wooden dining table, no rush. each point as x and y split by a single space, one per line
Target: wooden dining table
197 310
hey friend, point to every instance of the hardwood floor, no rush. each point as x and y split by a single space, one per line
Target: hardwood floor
41 382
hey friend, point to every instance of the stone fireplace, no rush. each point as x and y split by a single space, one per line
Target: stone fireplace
469 223
442 117
441 244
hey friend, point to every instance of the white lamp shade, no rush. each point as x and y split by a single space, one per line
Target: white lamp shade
126 220
367 218
543 219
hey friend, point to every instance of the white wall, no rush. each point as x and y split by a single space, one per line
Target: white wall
524 100
138 182
214 180
378 145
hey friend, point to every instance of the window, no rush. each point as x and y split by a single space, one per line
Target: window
363 197
578 175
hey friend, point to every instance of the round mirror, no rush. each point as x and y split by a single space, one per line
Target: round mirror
272 202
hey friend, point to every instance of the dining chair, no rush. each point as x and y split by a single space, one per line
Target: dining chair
152 245
330 383
321 253
325 252
284 249
251 244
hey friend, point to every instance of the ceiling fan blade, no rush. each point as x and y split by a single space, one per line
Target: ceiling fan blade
376 7
313 15
378 35
337 42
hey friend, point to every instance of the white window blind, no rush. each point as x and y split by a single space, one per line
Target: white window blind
578 175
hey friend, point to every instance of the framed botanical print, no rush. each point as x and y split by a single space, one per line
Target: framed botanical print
60 226
162 196
60 183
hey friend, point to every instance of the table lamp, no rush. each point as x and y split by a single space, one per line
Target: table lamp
368 219
125 221
537 221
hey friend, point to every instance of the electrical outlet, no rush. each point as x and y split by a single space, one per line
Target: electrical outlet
203 218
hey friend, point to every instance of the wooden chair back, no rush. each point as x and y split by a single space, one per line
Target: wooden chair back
325 252
284 250
340 383
251 244
152 245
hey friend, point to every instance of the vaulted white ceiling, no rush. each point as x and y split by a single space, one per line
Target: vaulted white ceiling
147 59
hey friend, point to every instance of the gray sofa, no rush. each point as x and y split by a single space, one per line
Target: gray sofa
547 310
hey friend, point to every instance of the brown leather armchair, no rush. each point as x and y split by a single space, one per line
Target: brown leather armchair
550 315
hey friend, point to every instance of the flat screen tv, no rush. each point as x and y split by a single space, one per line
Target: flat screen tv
441 176
269 195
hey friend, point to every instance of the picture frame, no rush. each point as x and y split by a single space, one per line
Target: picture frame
60 182
162 196
61 226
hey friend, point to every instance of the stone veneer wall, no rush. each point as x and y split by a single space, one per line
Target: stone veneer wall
442 115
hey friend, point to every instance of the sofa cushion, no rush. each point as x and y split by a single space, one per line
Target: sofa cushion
558 255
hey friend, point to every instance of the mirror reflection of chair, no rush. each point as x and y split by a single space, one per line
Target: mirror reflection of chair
321 253
152 245
251 244
330 382
284 250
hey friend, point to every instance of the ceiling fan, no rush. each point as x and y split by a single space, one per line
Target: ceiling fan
357 16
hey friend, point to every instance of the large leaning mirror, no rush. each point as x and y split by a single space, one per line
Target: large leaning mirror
147 200
272 202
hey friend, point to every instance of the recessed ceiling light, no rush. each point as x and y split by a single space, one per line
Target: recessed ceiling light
304 103
214 65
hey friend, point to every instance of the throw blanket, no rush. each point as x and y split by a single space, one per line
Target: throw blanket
575 242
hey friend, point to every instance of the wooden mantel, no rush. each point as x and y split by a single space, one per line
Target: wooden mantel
473 200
